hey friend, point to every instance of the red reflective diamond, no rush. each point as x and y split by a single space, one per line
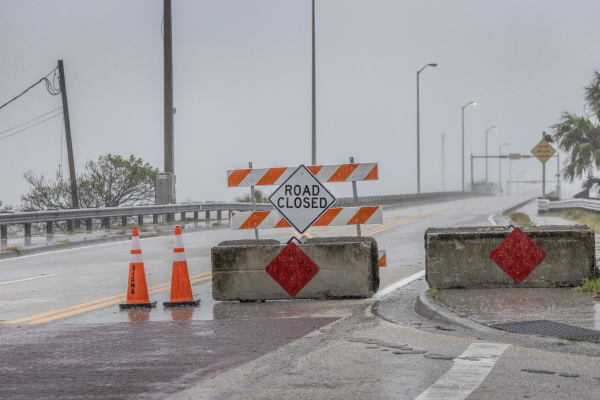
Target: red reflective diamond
518 255
292 269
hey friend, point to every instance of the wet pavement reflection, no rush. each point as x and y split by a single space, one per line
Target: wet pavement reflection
525 304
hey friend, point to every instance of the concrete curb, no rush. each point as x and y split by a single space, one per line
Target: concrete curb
426 306
6 255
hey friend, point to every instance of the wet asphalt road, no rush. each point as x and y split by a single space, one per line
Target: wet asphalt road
72 341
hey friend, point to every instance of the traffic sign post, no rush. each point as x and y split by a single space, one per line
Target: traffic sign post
302 199
543 151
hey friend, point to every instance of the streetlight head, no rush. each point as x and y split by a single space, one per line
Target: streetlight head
495 127
474 103
432 65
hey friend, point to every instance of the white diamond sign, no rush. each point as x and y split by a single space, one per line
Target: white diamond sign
302 199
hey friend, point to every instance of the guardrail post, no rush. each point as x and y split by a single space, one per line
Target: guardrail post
107 224
155 220
124 222
27 234
169 217
49 229
183 218
88 225
3 236
195 219
70 226
140 220
207 213
218 217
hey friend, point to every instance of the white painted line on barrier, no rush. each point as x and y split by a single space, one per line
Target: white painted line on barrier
389 289
27 279
492 220
467 373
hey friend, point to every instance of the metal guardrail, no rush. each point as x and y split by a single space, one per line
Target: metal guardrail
545 205
9 218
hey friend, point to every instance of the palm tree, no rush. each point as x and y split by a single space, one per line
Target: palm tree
580 136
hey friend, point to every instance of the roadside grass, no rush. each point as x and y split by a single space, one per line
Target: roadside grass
520 218
589 285
433 292
13 247
584 217
63 241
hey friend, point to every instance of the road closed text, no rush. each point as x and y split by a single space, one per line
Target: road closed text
302 196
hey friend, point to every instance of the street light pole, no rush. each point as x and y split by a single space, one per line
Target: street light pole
486 155
500 169
463 143
418 127
443 172
518 185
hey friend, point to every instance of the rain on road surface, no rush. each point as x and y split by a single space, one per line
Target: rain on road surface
65 337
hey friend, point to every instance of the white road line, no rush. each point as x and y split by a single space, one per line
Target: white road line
467 373
389 289
27 279
492 220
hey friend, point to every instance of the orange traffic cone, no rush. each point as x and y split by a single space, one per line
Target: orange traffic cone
137 289
181 289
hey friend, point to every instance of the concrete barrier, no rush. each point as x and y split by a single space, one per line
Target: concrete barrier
348 268
460 257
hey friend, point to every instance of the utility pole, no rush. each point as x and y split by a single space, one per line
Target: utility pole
443 175
168 80
63 91
544 172
314 94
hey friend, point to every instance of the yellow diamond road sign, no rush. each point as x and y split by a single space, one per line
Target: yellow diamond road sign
543 151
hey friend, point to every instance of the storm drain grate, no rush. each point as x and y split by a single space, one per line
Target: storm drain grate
550 328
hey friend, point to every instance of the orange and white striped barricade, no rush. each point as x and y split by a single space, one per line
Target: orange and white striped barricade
137 288
382 258
324 173
332 217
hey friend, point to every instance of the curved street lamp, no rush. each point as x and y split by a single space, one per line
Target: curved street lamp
463 142
500 169
486 154
418 127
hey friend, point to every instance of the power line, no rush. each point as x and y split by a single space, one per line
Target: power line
25 123
50 86
7 136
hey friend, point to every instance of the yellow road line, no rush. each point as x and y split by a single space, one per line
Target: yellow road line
92 305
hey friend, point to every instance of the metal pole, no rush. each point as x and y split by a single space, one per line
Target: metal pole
168 82
486 160
443 174
509 185
63 91
472 183
558 175
544 180
418 141
500 169
253 202
463 149
314 94
355 198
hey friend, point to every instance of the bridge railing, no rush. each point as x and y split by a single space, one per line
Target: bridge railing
106 213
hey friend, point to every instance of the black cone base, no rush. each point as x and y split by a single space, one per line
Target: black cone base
181 303
124 306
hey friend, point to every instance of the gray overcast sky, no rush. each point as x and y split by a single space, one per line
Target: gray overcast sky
242 85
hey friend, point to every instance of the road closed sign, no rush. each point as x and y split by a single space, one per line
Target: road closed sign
302 199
